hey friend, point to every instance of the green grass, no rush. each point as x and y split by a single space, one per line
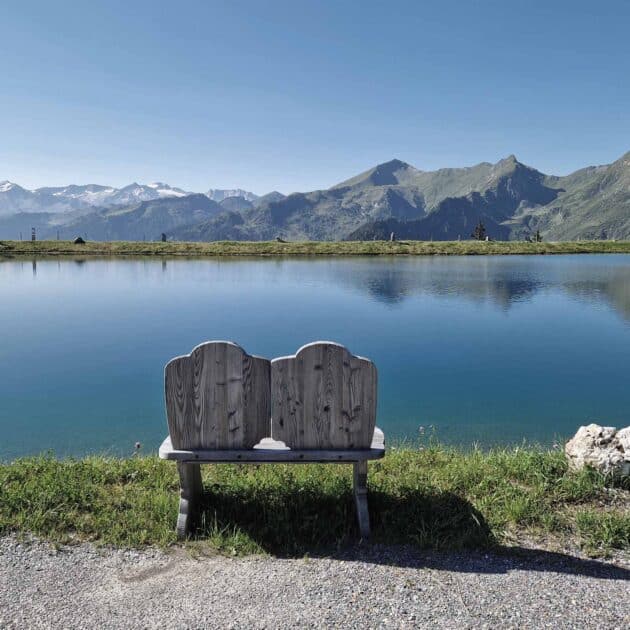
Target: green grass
307 248
433 497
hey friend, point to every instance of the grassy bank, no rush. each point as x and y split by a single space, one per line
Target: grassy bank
307 248
433 497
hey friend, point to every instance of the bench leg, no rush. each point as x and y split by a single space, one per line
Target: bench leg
191 489
360 498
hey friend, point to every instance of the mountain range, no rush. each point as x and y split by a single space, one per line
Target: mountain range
511 199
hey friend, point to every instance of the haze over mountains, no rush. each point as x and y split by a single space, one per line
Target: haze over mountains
512 199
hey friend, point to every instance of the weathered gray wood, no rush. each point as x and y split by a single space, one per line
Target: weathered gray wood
323 398
217 397
222 404
272 455
191 490
360 498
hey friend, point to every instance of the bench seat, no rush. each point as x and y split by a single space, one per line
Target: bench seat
269 451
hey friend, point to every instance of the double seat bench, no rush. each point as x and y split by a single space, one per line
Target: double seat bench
223 405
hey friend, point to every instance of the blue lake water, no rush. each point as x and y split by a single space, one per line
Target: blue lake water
483 349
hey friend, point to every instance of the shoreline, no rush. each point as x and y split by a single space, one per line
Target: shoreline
16 249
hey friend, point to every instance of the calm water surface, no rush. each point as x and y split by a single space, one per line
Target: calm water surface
484 349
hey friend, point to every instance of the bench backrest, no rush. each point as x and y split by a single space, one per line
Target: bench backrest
323 398
217 397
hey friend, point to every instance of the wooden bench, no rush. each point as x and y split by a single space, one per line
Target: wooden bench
224 405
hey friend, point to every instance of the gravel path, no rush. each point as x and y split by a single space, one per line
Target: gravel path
87 587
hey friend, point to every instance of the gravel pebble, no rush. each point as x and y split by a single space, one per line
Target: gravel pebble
84 586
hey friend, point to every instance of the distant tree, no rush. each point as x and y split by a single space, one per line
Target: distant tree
537 237
479 233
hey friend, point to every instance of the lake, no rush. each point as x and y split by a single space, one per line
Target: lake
493 350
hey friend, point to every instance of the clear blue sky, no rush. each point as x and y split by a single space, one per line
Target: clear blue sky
294 95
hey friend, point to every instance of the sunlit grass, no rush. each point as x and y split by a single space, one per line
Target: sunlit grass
434 497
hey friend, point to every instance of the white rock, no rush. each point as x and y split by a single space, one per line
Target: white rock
603 448
623 435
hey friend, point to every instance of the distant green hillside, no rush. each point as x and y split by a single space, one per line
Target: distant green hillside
595 204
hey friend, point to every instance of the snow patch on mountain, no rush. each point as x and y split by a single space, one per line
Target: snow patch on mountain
219 194
164 190
6 186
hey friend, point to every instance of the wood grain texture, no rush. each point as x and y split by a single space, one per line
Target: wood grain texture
323 398
191 491
217 397
359 487
268 456
276 452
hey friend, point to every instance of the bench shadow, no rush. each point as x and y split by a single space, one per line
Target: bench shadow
499 559
418 529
